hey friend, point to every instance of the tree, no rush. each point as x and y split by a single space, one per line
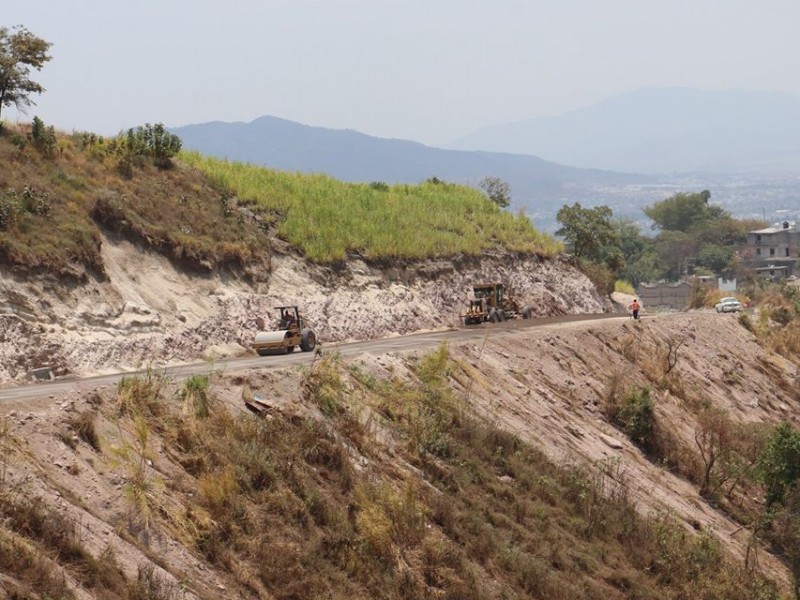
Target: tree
715 258
498 191
674 248
640 259
20 51
587 230
780 463
684 212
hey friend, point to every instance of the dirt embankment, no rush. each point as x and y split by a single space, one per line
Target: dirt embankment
547 385
149 313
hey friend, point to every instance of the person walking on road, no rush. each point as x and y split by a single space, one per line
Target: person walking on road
635 307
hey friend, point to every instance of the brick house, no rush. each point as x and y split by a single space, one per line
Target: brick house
774 250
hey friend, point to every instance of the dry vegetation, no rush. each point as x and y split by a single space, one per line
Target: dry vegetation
386 487
54 204
58 194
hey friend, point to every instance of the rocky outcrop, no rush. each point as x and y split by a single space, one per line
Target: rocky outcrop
148 313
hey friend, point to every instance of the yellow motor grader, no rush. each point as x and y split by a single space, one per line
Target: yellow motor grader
491 303
291 331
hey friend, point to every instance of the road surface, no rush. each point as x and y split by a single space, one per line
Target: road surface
411 341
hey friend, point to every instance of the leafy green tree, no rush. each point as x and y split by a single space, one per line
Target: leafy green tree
727 231
587 231
498 190
645 267
675 249
684 212
20 51
637 253
715 258
780 463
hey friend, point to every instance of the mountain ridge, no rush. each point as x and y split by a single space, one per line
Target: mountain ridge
350 155
658 130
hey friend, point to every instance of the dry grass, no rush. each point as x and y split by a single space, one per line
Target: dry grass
441 504
174 211
83 424
282 508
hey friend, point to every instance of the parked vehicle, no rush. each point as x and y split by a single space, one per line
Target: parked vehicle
729 304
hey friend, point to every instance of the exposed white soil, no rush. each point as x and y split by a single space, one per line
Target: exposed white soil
150 314
545 384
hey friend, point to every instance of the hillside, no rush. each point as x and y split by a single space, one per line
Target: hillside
660 130
121 270
504 466
472 471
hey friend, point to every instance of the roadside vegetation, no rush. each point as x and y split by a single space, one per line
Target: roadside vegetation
328 220
748 469
692 236
392 489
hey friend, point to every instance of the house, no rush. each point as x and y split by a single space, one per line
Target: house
773 251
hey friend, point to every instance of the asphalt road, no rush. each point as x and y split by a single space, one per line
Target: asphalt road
382 346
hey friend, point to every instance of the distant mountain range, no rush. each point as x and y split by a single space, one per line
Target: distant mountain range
536 184
743 146
661 130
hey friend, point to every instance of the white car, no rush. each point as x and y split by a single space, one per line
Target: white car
729 304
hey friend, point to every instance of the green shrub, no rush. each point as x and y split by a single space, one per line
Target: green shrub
600 275
152 142
635 416
624 287
43 138
196 397
19 142
10 210
779 466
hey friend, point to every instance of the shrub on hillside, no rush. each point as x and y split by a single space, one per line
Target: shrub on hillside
780 463
601 276
138 144
10 209
635 416
43 138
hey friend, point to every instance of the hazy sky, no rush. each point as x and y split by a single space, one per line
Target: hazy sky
429 70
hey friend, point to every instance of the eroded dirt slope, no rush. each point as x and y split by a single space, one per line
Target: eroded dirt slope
149 313
546 385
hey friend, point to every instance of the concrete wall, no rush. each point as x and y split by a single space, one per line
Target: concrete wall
668 295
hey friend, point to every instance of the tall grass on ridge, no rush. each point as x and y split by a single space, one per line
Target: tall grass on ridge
327 218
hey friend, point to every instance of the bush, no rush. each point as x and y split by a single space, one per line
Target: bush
196 397
634 415
780 463
602 277
624 287
149 141
10 210
43 138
